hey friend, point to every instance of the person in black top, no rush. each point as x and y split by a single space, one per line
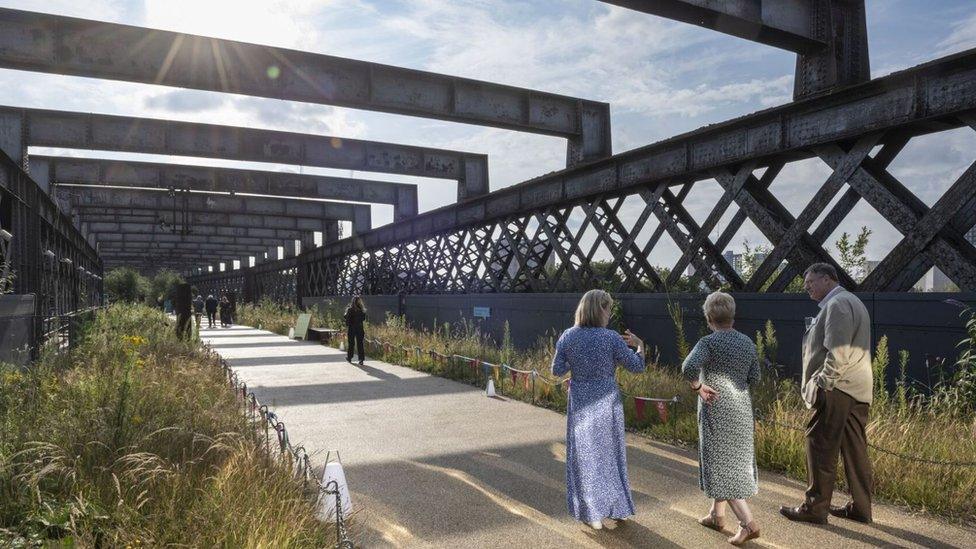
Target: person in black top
355 316
225 320
211 306
198 309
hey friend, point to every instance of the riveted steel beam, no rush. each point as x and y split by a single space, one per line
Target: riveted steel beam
92 172
147 238
783 23
21 128
64 45
829 36
304 214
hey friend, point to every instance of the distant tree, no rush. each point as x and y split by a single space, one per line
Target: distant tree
852 253
126 284
604 277
163 286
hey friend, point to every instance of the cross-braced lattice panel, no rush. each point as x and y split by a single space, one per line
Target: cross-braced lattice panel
608 240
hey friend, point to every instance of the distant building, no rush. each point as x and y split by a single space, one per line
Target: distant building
935 281
738 260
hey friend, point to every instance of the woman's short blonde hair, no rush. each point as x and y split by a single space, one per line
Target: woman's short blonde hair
719 308
589 312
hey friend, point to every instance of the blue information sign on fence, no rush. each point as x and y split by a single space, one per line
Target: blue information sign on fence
482 312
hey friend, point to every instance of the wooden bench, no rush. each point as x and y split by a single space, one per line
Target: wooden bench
322 335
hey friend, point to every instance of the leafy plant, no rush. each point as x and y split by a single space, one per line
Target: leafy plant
879 369
852 253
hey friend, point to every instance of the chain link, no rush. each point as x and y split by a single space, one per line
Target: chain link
296 454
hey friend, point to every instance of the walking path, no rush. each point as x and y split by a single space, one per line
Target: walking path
434 463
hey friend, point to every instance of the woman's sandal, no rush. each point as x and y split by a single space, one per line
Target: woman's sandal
746 532
713 521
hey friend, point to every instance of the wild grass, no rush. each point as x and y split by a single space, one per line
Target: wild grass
934 428
133 438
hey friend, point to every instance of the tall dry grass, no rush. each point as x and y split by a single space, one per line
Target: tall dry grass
133 438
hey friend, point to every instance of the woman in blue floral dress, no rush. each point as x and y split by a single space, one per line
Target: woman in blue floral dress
597 486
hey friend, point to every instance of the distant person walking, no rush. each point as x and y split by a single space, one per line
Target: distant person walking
597 486
837 384
225 312
720 370
211 307
355 317
198 309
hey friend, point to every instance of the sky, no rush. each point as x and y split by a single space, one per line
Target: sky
660 77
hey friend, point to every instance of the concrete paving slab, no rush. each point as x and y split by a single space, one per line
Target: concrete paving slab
434 463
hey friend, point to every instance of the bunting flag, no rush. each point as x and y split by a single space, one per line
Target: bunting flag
514 375
474 366
639 408
525 381
662 410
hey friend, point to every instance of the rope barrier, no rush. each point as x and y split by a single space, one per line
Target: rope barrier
676 400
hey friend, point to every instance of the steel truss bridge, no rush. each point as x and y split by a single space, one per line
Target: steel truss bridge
65 220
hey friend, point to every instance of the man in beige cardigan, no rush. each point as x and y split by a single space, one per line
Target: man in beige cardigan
837 384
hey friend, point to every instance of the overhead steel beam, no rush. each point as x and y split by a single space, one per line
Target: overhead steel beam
95 172
149 225
829 36
237 250
919 100
188 240
780 23
64 45
314 215
108 219
122 255
20 128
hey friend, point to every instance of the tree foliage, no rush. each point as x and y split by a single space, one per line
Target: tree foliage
852 253
126 284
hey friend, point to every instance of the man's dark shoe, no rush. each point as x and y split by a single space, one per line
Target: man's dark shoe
847 512
801 514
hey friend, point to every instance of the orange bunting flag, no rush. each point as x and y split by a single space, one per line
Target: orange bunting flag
525 382
662 410
514 376
639 408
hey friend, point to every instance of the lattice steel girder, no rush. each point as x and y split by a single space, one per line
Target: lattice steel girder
82 171
64 45
315 213
909 100
781 23
190 240
20 128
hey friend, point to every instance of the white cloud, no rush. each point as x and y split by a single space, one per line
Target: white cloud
962 37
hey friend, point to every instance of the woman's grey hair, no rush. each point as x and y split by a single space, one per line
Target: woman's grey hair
719 308
357 303
589 312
